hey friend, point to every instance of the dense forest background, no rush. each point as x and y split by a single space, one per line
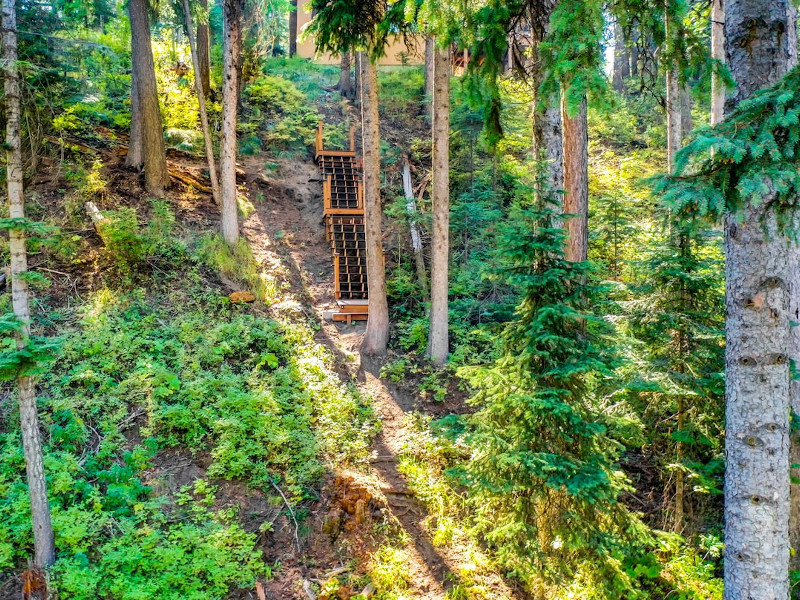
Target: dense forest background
196 446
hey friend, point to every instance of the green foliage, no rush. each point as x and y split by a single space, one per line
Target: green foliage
282 115
539 434
572 52
239 264
341 25
131 246
256 396
754 160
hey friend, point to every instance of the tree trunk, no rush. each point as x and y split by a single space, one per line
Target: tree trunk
293 29
135 156
429 75
576 181
201 102
204 51
760 279
416 239
674 128
621 60
717 53
154 154
345 80
438 339
358 57
232 26
376 336
43 540
794 353
634 53
547 142
686 112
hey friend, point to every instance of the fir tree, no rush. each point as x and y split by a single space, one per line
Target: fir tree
542 471
678 318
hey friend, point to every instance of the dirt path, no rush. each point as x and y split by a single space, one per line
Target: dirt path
287 235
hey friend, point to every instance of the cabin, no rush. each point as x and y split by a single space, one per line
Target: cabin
397 52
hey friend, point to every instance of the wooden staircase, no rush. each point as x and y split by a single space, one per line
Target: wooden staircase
343 205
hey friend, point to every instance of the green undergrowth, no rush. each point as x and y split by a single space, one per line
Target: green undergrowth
145 380
666 568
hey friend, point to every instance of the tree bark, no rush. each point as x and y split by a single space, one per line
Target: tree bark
674 128
201 103
135 156
232 26
43 539
760 280
154 153
576 181
416 239
621 60
204 51
717 53
345 79
438 338
686 112
430 47
547 141
376 336
358 58
293 29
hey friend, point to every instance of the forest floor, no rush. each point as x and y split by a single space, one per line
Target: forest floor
286 232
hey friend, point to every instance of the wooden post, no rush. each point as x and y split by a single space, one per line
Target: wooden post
336 291
352 138
319 138
326 194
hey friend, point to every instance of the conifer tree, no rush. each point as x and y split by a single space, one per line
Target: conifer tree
750 182
146 149
542 472
232 47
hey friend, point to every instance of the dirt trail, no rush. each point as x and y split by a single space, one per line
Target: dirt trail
287 235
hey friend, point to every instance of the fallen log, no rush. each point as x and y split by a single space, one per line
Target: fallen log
98 220
71 145
188 179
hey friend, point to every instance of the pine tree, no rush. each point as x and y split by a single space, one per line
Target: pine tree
232 25
146 149
542 470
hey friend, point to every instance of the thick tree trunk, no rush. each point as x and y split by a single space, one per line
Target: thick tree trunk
204 51
201 102
438 338
43 540
717 53
576 181
621 60
293 29
232 44
376 336
135 156
760 279
154 154
547 142
345 79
